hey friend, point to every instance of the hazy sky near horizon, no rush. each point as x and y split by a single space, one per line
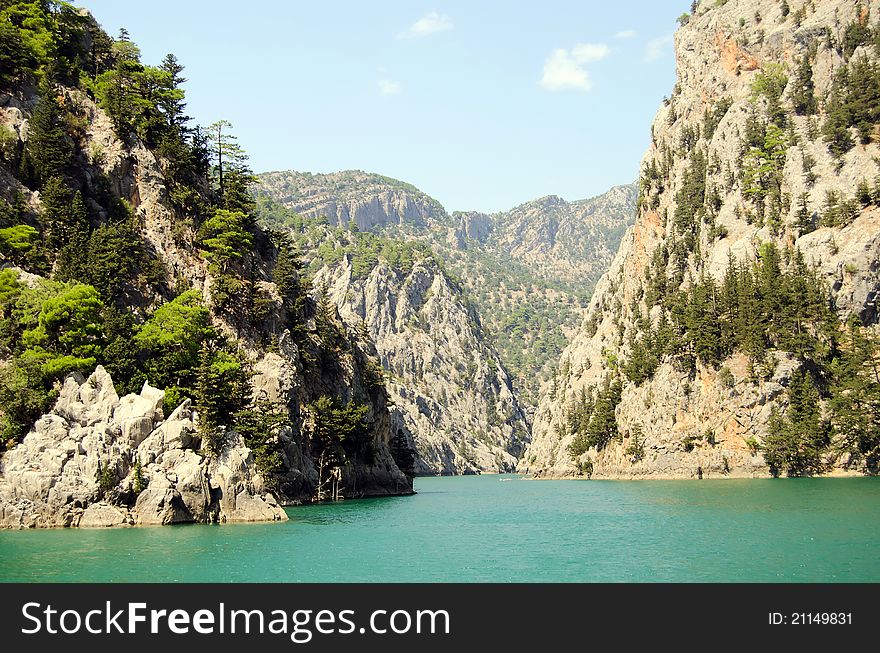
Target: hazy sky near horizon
482 105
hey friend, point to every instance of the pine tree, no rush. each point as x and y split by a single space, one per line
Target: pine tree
230 168
803 93
49 149
222 389
171 99
57 200
74 239
325 320
140 483
835 129
796 442
855 397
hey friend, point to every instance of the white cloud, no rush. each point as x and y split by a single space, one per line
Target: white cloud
430 23
658 47
388 87
565 68
626 34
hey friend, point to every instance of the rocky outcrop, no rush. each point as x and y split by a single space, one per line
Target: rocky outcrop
79 466
473 228
704 420
448 387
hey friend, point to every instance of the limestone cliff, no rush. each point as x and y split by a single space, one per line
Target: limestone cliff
742 155
448 387
78 466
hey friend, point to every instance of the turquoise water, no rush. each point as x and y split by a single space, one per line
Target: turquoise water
500 528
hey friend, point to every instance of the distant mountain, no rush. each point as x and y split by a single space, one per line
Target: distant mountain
368 200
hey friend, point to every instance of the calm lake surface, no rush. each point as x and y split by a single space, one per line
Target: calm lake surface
500 528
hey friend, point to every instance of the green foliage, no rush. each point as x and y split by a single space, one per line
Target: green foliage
635 451
222 389
289 282
855 34
763 165
261 424
770 83
49 148
230 172
113 255
69 322
10 288
57 200
854 101
795 442
140 483
45 39
105 477
855 397
713 117
16 58
49 331
18 240
24 396
171 339
585 467
225 239
174 396
690 201
326 322
339 432
771 303
803 94
594 422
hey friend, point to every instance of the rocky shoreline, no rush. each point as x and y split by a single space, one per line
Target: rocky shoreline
98 460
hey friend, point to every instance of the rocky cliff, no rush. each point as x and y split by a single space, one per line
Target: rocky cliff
448 386
761 160
118 232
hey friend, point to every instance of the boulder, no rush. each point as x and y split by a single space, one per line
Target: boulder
101 515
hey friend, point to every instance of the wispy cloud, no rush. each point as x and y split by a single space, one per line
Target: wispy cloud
658 47
565 69
626 34
430 23
388 87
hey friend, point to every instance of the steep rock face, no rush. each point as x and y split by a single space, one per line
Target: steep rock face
77 466
449 388
287 375
368 200
529 271
701 422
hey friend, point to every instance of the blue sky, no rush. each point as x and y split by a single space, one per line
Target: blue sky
483 105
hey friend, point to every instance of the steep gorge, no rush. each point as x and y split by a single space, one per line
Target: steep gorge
441 293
